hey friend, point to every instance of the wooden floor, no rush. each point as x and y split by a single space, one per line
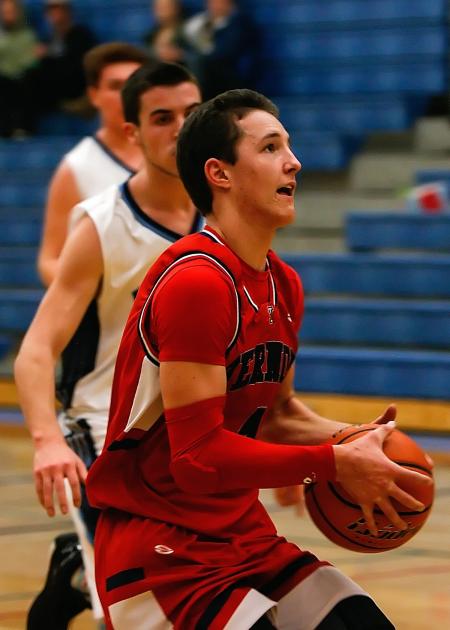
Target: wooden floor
411 584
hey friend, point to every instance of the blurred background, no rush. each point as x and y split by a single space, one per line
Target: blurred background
363 89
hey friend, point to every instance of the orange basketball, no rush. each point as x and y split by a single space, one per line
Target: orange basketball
342 521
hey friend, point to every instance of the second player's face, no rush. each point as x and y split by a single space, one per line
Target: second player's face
163 110
106 96
264 176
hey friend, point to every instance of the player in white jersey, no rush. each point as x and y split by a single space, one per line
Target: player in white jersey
116 236
98 161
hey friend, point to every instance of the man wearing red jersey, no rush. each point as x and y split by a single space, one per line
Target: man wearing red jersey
203 391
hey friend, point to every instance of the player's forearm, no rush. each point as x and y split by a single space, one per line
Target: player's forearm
292 422
34 376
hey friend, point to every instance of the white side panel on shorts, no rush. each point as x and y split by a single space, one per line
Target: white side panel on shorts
309 602
252 607
141 612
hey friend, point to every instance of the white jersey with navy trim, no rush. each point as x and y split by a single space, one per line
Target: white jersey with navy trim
130 243
95 167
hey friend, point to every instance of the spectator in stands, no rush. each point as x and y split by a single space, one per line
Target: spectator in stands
18 52
224 42
165 39
59 75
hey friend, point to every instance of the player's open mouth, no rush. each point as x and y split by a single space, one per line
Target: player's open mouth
287 190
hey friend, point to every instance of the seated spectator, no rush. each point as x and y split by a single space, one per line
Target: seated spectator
224 42
59 75
165 40
18 52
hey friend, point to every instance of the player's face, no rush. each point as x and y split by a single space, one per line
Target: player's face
163 110
263 178
106 95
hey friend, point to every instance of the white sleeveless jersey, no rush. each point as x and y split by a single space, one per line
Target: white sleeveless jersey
95 167
130 242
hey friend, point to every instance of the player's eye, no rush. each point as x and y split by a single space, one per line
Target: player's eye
163 119
270 148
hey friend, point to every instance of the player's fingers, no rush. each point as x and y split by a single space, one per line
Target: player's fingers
406 499
47 494
39 487
61 493
82 471
412 475
388 415
382 432
74 483
370 519
389 511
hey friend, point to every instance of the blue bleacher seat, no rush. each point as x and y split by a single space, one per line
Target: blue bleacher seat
17 231
294 79
368 372
421 276
381 322
5 345
358 46
17 308
18 267
395 230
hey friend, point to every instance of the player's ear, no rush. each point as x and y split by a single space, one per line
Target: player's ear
132 133
217 174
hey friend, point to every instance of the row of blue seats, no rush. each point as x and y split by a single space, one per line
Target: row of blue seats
396 230
17 308
19 230
369 372
356 45
414 275
327 321
380 322
33 153
403 78
346 12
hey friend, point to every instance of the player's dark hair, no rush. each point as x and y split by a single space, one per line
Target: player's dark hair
211 131
97 58
148 76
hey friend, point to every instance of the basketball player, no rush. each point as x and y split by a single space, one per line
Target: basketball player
97 161
206 356
118 234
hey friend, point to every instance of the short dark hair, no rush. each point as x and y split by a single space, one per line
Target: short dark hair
98 57
211 131
148 76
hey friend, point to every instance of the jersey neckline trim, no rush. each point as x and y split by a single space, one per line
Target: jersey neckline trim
150 223
113 157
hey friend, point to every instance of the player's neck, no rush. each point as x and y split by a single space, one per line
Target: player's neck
117 142
249 242
158 194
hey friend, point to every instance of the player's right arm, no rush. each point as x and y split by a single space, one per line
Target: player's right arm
58 316
63 195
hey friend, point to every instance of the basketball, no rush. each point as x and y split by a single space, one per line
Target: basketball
341 520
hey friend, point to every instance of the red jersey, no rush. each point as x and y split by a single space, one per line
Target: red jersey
253 331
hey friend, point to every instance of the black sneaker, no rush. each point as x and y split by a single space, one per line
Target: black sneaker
59 601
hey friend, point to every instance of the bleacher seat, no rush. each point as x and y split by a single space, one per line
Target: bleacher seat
415 276
380 322
5 345
33 153
358 46
18 268
395 230
17 308
17 231
368 372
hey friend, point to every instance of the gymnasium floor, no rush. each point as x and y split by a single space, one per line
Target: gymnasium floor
412 584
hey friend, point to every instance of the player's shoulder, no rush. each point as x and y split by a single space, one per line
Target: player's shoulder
79 151
101 207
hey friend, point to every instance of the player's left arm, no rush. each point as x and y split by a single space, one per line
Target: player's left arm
290 421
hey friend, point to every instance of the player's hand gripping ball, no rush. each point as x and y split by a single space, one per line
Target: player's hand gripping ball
341 520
